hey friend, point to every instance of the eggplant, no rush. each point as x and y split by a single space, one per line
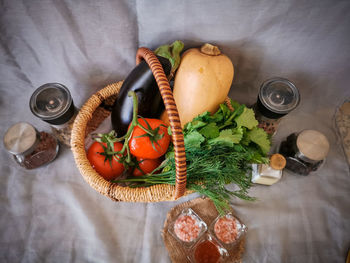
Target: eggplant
150 102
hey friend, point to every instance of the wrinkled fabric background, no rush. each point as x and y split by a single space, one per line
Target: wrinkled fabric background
52 215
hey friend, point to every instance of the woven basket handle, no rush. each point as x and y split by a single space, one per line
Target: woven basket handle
173 115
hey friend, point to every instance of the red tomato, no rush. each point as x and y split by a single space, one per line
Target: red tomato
108 170
149 148
146 166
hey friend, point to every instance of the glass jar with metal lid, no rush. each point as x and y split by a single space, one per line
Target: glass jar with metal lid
277 97
304 151
52 102
30 148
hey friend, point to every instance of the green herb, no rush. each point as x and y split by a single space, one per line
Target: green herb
171 52
220 149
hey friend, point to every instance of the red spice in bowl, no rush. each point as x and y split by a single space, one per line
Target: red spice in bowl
207 252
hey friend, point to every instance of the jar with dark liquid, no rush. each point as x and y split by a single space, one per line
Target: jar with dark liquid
277 97
52 102
30 148
304 151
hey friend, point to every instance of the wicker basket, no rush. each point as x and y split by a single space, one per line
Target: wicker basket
93 113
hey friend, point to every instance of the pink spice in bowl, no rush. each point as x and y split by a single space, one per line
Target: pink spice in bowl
228 229
188 227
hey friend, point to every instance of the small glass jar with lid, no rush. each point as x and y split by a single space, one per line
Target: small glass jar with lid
268 174
277 97
305 151
30 148
53 103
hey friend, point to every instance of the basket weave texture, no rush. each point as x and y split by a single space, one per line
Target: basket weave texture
92 114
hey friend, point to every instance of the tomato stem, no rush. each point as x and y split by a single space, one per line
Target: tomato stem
111 138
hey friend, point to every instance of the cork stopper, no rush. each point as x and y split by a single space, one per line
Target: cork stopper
277 161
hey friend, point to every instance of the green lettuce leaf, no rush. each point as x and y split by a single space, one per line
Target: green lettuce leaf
247 119
193 139
210 131
193 125
228 137
259 136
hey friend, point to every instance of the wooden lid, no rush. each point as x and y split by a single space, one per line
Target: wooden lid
277 161
313 144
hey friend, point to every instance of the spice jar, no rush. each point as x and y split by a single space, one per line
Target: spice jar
277 97
304 151
268 174
52 102
29 147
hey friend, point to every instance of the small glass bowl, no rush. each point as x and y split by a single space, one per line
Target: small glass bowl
175 227
232 237
204 246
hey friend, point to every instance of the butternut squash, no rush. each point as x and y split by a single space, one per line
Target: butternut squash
202 82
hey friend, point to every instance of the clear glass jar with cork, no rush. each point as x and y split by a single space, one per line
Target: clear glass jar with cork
268 174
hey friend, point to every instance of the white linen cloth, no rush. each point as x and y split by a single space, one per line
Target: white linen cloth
52 215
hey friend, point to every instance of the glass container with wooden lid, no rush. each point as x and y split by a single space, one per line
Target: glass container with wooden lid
305 151
268 174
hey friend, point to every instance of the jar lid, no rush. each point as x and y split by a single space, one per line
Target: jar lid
51 102
313 144
20 138
279 95
277 161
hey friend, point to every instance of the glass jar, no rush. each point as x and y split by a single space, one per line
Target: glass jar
30 148
268 174
277 97
52 102
304 151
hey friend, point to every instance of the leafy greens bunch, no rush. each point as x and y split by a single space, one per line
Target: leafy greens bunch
220 149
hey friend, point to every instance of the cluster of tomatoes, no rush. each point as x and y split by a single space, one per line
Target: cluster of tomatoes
148 142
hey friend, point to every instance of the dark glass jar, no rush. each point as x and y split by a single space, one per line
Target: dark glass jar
30 148
277 97
52 102
304 151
